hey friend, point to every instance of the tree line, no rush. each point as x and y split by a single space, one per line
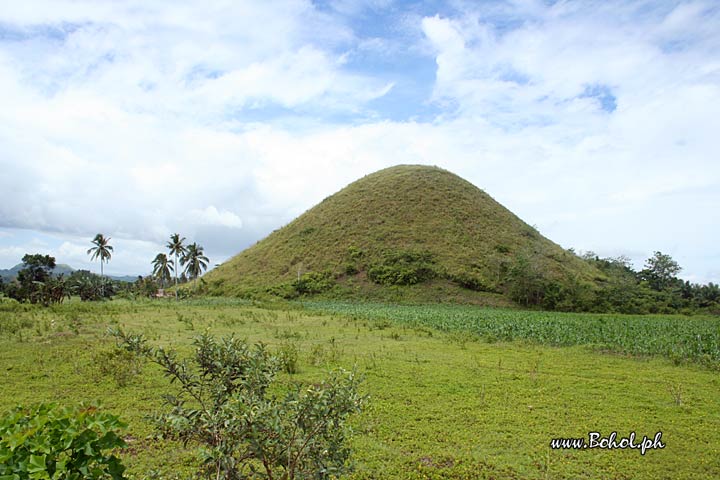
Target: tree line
621 289
35 282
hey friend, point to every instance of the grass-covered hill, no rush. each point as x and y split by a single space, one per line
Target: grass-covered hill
408 232
10 273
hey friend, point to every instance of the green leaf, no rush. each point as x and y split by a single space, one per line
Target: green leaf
36 464
115 468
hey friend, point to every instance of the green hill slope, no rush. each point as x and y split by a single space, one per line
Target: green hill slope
395 223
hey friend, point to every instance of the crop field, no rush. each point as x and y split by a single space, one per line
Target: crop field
454 392
679 338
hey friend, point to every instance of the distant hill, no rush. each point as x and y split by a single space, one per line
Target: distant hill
60 269
403 215
10 273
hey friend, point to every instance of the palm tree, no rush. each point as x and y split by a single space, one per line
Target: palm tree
102 251
162 268
194 261
176 247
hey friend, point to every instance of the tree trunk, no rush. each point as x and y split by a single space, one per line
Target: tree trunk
176 294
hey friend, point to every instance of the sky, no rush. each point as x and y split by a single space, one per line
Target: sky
594 121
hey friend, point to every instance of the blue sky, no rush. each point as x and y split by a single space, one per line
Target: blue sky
593 120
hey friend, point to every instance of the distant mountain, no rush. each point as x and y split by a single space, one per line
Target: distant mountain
60 269
124 278
10 273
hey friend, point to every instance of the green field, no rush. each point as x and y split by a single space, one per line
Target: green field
679 338
455 392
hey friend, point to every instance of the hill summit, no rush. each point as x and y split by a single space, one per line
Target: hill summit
408 232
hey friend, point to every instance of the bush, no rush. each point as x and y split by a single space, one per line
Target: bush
404 267
49 442
314 282
223 405
283 290
351 269
355 256
470 280
525 282
288 355
8 301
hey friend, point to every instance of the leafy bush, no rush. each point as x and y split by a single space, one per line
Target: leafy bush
525 281
223 404
283 290
404 267
314 282
49 442
355 256
470 280
500 248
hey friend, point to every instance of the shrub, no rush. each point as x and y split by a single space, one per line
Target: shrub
288 356
470 280
8 301
404 267
314 282
283 290
525 282
223 405
355 253
500 248
351 269
49 442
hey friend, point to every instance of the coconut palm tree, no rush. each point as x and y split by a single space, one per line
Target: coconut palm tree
176 247
194 261
162 268
102 251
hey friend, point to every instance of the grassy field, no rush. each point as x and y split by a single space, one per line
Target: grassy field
444 402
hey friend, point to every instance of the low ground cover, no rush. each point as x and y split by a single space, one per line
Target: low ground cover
443 402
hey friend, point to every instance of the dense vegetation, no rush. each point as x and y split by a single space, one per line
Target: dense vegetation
46 441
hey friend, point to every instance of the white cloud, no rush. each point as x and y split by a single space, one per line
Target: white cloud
11 256
211 216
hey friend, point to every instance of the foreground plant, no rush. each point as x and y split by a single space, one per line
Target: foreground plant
50 442
223 405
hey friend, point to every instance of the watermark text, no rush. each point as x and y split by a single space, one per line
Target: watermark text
611 442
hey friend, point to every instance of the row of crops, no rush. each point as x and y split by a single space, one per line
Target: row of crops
680 338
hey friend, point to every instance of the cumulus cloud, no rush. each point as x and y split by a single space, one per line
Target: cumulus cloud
211 216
